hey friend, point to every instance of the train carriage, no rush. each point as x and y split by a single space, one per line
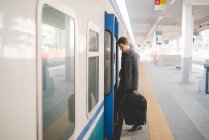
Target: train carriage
59 65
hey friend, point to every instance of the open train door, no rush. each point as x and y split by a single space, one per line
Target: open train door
116 57
116 63
110 73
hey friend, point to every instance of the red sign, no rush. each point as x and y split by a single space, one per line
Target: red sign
157 2
160 5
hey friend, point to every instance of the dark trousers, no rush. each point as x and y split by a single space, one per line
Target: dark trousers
119 110
118 125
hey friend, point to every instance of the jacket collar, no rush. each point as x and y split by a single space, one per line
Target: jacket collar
128 51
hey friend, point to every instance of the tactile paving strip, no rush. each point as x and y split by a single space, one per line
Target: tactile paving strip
156 121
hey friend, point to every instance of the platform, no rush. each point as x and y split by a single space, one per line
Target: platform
175 110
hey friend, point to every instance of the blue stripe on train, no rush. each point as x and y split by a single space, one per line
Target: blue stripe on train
85 130
98 132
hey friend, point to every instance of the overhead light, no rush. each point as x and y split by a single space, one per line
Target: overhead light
153 27
172 1
159 18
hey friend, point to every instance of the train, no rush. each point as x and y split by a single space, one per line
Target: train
59 66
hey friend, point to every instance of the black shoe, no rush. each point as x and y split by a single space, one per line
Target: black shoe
135 128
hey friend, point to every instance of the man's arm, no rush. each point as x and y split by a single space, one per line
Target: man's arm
135 64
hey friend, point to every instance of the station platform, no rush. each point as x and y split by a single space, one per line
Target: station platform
176 111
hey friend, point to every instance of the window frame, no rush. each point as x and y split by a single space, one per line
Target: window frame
68 12
91 26
111 81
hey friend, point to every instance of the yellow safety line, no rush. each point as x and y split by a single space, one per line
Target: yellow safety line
157 123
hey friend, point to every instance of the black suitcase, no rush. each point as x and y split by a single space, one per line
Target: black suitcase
135 112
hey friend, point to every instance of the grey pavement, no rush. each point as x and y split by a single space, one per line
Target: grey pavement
185 107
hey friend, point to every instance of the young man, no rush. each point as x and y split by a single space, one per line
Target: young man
129 80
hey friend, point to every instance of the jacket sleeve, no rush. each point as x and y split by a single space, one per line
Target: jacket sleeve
135 68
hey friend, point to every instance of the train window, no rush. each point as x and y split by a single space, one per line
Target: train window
107 63
93 80
93 41
93 70
58 88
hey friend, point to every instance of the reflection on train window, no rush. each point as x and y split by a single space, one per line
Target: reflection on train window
107 62
114 61
93 41
57 51
93 69
93 80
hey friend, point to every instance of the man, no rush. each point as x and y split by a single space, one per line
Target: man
129 78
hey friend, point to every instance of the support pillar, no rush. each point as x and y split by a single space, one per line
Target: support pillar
187 33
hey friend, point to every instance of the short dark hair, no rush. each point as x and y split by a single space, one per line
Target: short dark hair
122 40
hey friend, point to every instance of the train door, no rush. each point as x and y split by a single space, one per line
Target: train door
109 46
116 55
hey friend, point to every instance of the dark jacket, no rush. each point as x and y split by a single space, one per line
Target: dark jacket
129 73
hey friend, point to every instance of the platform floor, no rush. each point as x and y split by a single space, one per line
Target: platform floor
175 110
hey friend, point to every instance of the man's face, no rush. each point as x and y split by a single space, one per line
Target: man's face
122 47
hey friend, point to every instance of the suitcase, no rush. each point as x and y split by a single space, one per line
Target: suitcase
135 111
